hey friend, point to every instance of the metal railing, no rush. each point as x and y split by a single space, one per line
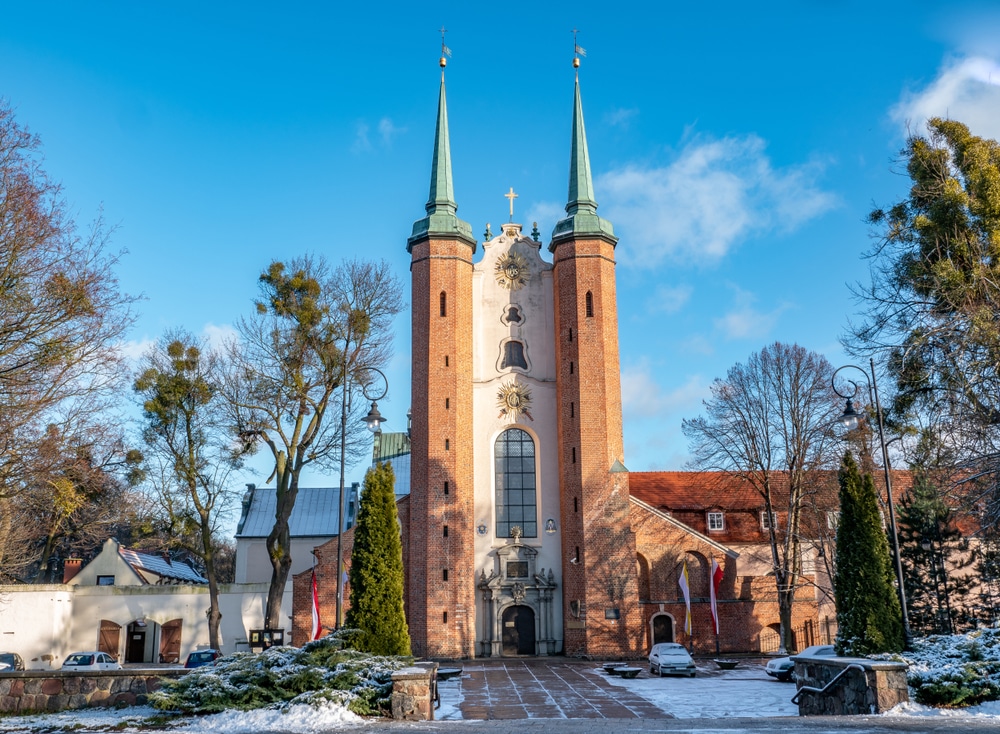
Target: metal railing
824 689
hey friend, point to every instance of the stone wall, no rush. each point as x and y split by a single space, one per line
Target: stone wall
413 693
31 691
874 689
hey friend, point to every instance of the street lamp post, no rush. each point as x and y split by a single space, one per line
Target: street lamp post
373 421
850 420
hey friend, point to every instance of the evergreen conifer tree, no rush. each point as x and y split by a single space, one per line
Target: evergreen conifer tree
377 570
868 616
933 550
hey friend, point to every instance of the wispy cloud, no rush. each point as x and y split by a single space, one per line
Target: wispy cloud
216 335
546 213
621 117
642 396
965 89
715 194
388 131
669 299
745 321
361 142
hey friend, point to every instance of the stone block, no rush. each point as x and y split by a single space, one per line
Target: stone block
33 685
57 703
5 685
52 686
87 685
125 698
79 701
71 684
99 698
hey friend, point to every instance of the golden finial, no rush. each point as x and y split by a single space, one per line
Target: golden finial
578 51
445 51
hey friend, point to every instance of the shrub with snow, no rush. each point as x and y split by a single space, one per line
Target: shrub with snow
955 670
320 672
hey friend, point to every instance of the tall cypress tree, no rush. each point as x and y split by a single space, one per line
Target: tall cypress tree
868 616
377 570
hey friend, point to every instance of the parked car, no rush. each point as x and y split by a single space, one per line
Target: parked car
10 661
784 668
90 661
199 658
670 657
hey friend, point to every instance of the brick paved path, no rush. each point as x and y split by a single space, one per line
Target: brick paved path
546 689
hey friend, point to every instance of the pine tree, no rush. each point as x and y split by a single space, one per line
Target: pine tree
933 549
868 616
377 570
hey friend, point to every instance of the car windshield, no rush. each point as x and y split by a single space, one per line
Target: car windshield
201 657
79 659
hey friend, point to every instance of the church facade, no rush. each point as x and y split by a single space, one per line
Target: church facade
520 533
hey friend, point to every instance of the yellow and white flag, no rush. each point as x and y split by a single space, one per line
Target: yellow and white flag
686 591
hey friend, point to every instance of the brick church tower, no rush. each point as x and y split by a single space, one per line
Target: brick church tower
440 573
600 587
519 536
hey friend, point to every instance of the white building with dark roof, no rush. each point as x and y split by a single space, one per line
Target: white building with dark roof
314 521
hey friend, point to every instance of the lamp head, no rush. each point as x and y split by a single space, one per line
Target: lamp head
374 419
850 419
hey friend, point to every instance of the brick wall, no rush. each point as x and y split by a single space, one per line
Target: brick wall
594 504
441 612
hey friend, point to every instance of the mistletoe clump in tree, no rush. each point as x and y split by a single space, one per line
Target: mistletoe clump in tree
868 616
377 570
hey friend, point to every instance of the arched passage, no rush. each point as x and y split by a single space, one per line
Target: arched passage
170 641
109 638
662 628
518 630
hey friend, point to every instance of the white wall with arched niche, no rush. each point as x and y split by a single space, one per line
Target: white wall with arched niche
513 301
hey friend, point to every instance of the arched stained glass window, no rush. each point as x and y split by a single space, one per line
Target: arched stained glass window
516 503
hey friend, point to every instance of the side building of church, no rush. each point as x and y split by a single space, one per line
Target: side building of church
521 532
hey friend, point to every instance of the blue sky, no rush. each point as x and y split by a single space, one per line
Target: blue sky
736 148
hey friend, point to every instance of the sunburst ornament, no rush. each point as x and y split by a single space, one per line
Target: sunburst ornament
511 271
514 399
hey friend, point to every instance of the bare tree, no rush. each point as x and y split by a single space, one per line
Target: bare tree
189 450
61 316
315 334
768 424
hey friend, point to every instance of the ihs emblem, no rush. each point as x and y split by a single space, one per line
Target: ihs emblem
511 271
514 399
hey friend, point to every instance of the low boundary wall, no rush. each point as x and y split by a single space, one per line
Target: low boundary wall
31 691
839 686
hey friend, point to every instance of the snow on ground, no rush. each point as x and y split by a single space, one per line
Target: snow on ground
714 694
450 693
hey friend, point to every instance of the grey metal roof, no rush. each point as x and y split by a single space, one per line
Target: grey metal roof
314 515
161 566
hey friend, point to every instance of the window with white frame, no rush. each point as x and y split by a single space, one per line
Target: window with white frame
832 519
768 520
716 521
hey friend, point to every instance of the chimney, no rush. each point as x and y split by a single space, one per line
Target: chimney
71 567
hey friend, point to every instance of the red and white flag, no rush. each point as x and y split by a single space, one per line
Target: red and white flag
686 591
317 629
713 592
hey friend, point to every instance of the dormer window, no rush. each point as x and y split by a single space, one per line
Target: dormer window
716 521
767 521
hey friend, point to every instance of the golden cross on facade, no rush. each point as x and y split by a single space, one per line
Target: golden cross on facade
511 196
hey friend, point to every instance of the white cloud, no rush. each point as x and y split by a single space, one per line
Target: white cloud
966 89
669 299
546 213
133 350
714 195
216 335
361 142
744 321
389 131
642 396
621 117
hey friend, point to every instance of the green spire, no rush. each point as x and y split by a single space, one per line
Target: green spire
581 205
441 219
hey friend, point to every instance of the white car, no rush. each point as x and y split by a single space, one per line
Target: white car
90 661
784 668
670 657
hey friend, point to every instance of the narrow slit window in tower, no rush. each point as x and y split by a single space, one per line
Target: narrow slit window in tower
571 368
446 487
446 531
571 335
444 575
444 618
574 454
576 507
447 445
444 303
572 410
590 304
446 360
447 403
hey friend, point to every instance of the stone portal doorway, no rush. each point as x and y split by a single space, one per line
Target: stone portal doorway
519 630
663 628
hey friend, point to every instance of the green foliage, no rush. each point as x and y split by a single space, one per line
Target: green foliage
935 555
868 615
319 672
376 576
931 310
955 670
